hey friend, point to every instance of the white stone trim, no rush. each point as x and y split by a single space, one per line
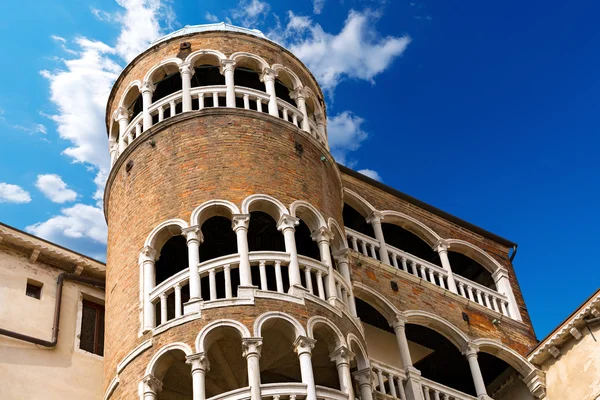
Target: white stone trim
146 344
298 205
258 322
264 199
175 322
198 218
240 55
297 83
352 338
201 337
318 319
426 234
367 208
191 58
165 349
112 386
175 61
166 225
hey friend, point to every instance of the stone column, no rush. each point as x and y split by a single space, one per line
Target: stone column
147 259
365 383
228 69
321 124
239 224
503 287
299 95
342 357
114 151
343 263
147 91
186 71
442 248
287 225
193 235
303 347
251 351
375 220
322 236
470 351
200 366
122 116
151 387
413 388
268 77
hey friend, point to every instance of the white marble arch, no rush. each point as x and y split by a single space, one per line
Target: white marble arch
376 300
201 345
506 354
339 241
293 78
439 325
164 63
413 225
163 232
308 213
316 320
193 57
249 60
266 204
260 321
213 208
361 356
357 202
158 369
475 253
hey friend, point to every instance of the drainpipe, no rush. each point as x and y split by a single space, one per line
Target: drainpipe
59 286
514 253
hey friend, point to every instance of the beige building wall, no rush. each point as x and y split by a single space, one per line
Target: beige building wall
383 347
28 371
575 374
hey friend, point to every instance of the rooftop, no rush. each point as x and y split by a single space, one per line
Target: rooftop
222 26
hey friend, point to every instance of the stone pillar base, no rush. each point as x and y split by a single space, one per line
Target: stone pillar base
193 306
298 291
246 292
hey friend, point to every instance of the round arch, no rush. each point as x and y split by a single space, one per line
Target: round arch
361 357
319 320
376 300
169 65
238 326
152 369
264 203
412 225
308 213
163 232
339 241
260 321
212 208
313 102
287 76
506 354
205 54
475 253
357 202
125 96
249 60
440 325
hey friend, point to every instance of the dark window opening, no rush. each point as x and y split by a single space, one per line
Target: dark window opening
135 108
219 239
369 315
173 258
356 221
166 86
282 92
470 269
263 233
34 289
248 78
91 338
305 245
407 241
207 75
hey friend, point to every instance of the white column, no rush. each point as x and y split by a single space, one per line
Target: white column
147 259
194 237
504 287
321 124
177 301
287 225
278 276
251 351
375 220
303 347
114 151
442 248
122 116
322 236
151 387
365 383
147 91
342 357
200 366
228 288
228 69
299 95
239 224
413 385
341 257
470 351
268 77
380 381
186 71
262 269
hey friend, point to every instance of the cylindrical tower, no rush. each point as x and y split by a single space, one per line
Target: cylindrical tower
226 270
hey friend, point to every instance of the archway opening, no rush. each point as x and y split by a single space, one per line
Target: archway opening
168 84
283 92
468 268
133 102
305 245
325 370
264 236
248 78
173 259
356 221
279 363
175 376
407 241
207 75
228 368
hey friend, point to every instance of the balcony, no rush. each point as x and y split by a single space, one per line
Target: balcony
282 391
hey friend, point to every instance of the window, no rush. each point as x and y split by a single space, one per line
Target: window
91 338
34 289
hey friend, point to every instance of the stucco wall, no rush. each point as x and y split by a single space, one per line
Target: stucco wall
34 372
576 373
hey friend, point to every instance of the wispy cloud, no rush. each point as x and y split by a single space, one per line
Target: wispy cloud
345 134
13 194
34 128
318 6
211 17
55 189
249 13
371 174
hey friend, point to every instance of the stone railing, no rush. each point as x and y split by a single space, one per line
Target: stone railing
388 380
282 391
431 273
316 281
435 391
167 107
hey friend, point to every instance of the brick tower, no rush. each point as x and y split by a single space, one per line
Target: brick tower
244 263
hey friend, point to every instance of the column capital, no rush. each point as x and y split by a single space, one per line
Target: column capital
499 274
268 74
198 362
193 233
342 256
147 253
470 350
399 322
186 68
121 113
148 87
287 222
240 221
375 217
304 345
363 377
322 235
152 384
227 65
251 346
441 245
299 93
341 355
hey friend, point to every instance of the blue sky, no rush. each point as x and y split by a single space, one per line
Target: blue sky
485 110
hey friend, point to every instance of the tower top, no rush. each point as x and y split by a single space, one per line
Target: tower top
221 26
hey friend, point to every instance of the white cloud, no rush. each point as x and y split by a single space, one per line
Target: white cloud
371 174
211 17
250 12
345 134
59 38
356 52
13 194
54 188
35 128
318 6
